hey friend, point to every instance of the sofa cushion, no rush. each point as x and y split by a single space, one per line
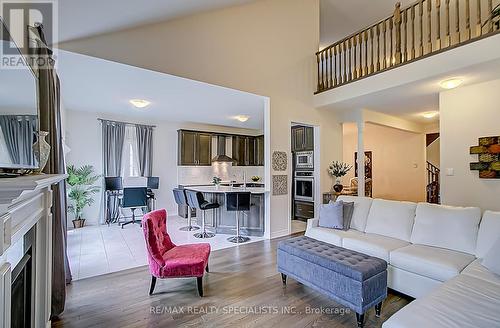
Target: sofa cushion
331 215
448 227
492 259
361 208
477 270
489 230
464 302
373 245
391 218
331 236
432 262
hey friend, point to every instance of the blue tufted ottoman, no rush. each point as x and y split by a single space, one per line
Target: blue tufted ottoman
352 279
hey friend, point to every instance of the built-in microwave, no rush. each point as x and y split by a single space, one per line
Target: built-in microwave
304 160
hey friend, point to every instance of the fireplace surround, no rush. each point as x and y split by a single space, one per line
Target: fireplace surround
26 250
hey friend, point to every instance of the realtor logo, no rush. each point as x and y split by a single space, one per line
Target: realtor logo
16 36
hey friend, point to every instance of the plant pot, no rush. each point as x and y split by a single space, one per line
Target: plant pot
80 223
338 187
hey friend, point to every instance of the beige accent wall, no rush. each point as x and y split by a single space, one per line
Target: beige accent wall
433 153
395 155
266 47
468 113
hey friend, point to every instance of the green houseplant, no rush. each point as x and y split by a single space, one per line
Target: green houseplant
338 170
81 190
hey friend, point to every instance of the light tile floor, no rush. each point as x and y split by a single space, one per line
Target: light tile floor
96 250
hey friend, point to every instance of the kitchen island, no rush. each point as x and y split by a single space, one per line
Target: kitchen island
223 221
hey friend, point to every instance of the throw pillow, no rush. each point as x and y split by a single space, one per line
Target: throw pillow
332 215
348 210
491 260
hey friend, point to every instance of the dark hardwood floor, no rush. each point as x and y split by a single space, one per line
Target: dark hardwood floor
243 289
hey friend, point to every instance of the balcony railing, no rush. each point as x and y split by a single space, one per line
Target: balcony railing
422 29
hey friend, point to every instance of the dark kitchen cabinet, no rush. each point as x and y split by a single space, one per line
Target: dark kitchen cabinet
195 148
302 138
248 150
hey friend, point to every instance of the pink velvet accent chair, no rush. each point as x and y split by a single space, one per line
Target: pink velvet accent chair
167 260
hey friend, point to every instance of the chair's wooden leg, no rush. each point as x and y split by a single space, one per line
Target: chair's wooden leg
206 269
199 281
153 284
283 278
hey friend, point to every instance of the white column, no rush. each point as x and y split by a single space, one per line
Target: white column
361 158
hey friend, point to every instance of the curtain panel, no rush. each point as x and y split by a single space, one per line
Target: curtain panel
19 134
145 149
50 121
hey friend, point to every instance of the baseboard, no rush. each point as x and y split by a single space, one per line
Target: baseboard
280 233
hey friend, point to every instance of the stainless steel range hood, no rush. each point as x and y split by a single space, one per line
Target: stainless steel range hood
221 152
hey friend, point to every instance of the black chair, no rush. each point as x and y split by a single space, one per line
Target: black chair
238 202
134 198
181 200
196 200
153 183
113 188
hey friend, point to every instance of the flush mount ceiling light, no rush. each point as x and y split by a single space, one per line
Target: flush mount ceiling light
430 115
139 103
242 118
451 83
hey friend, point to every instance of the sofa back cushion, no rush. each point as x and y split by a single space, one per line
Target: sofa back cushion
360 213
391 218
489 231
448 227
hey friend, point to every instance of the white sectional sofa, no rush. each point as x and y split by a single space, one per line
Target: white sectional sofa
434 254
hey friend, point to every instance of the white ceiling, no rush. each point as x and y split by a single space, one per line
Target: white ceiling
340 18
83 18
97 85
410 101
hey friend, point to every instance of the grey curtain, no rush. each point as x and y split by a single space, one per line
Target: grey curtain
113 139
50 121
19 134
145 149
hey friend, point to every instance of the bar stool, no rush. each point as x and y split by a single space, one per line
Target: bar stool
196 200
181 199
237 202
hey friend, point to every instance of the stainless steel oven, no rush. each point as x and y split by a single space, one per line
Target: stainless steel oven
304 186
304 160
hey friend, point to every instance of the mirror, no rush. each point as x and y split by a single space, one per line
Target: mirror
19 125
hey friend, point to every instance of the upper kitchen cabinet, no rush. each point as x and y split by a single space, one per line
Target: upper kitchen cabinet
248 150
302 138
195 148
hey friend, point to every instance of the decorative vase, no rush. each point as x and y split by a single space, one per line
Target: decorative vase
41 148
338 185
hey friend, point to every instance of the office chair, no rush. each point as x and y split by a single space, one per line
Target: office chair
134 198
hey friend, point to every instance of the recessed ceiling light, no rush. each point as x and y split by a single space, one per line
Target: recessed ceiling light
451 83
242 118
430 115
139 103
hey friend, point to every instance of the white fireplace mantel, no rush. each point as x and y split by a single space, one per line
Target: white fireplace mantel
25 202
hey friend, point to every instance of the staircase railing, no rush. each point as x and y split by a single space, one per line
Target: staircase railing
422 29
433 186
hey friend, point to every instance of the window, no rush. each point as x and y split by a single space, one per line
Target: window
130 159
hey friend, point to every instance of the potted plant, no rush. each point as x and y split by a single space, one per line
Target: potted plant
81 191
338 170
216 181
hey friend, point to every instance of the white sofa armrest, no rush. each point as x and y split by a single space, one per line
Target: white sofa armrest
312 223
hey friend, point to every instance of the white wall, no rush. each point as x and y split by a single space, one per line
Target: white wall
395 154
433 153
83 136
468 113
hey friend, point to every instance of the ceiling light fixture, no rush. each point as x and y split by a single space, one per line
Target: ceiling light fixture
451 83
242 118
139 103
430 115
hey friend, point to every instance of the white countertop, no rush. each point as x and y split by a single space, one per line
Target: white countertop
227 190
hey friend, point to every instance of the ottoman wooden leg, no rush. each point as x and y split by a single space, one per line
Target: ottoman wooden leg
378 309
283 278
360 318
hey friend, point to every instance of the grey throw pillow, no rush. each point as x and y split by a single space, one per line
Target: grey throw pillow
332 215
348 210
491 260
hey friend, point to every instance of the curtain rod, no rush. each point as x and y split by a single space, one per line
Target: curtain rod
126 123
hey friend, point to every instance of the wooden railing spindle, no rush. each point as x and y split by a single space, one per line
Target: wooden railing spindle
372 67
350 76
405 35
319 76
378 47
438 24
331 66
467 20
344 50
421 14
391 47
490 21
335 81
457 20
448 36
429 25
397 25
412 55
366 52
384 55
360 55
355 46
479 28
